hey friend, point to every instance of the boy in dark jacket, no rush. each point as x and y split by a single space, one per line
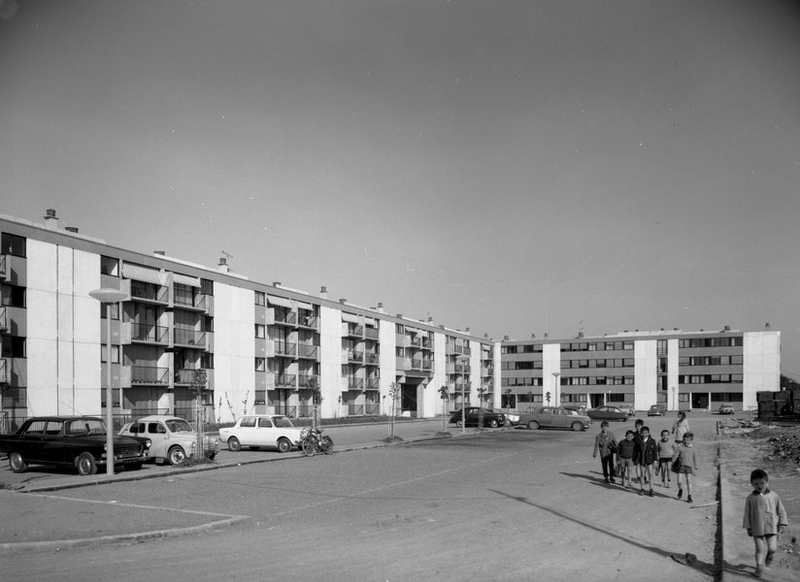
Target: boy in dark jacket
645 455
625 450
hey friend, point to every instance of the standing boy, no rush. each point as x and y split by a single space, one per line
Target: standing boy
625 451
637 436
764 519
606 443
645 455
685 451
665 451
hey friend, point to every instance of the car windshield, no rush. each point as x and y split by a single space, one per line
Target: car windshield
178 425
282 422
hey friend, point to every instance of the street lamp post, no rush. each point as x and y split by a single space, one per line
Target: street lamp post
463 358
109 296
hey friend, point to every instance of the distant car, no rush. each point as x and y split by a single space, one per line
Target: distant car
172 439
262 430
554 417
657 410
726 409
608 413
579 409
627 408
472 416
68 441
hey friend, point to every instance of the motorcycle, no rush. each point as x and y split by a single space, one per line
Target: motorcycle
312 441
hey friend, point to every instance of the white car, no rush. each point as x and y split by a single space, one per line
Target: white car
262 430
172 439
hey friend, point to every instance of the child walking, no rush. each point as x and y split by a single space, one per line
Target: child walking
645 456
686 453
606 443
665 451
625 450
764 519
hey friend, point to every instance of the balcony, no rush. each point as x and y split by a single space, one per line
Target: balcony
308 351
286 381
355 383
187 376
189 337
149 292
4 376
150 334
3 267
285 349
372 359
196 302
368 409
355 357
355 329
309 321
371 333
285 317
427 344
373 384
3 318
305 379
149 375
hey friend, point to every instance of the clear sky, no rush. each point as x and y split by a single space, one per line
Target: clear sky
515 167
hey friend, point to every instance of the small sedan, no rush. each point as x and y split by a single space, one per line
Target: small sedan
726 409
172 439
274 431
473 415
554 417
608 413
657 410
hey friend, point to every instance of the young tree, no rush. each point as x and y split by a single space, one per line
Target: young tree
198 384
395 390
444 394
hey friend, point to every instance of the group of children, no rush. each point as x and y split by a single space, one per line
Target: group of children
649 458
764 514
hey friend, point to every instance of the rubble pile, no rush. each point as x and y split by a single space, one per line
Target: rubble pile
780 444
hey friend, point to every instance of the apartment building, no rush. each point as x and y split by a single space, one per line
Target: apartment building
187 336
683 370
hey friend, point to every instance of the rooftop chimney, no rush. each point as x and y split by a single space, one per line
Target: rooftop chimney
505 338
767 325
380 307
223 265
399 316
323 292
343 301
276 283
50 219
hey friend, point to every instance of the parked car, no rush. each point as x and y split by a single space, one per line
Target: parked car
68 441
554 417
262 430
657 410
172 439
472 417
726 409
627 408
608 413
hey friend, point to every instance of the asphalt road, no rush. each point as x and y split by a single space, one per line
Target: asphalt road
503 505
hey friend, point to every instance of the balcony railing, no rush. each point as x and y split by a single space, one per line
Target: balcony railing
355 356
373 384
3 271
3 318
305 379
355 329
369 409
416 342
287 317
4 371
286 381
149 375
286 349
198 301
149 292
373 358
355 383
149 333
186 376
308 351
310 321
190 337
370 333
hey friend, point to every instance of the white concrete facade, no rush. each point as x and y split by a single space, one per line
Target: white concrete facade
762 365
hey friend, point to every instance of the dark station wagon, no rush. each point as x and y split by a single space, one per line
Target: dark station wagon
69 441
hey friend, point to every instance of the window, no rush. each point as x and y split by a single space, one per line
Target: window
509 350
261 364
737 360
114 354
207 361
109 266
12 295
401 329
12 245
261 331
207 287
13 346
260 298
113 308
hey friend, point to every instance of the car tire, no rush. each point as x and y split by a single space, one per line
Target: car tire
459 423
16 462
234 444
85 464
176 455
533 425
493 423
578 426
284 445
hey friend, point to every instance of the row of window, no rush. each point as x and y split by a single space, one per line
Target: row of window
572 347
711 342
711 361
711 379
